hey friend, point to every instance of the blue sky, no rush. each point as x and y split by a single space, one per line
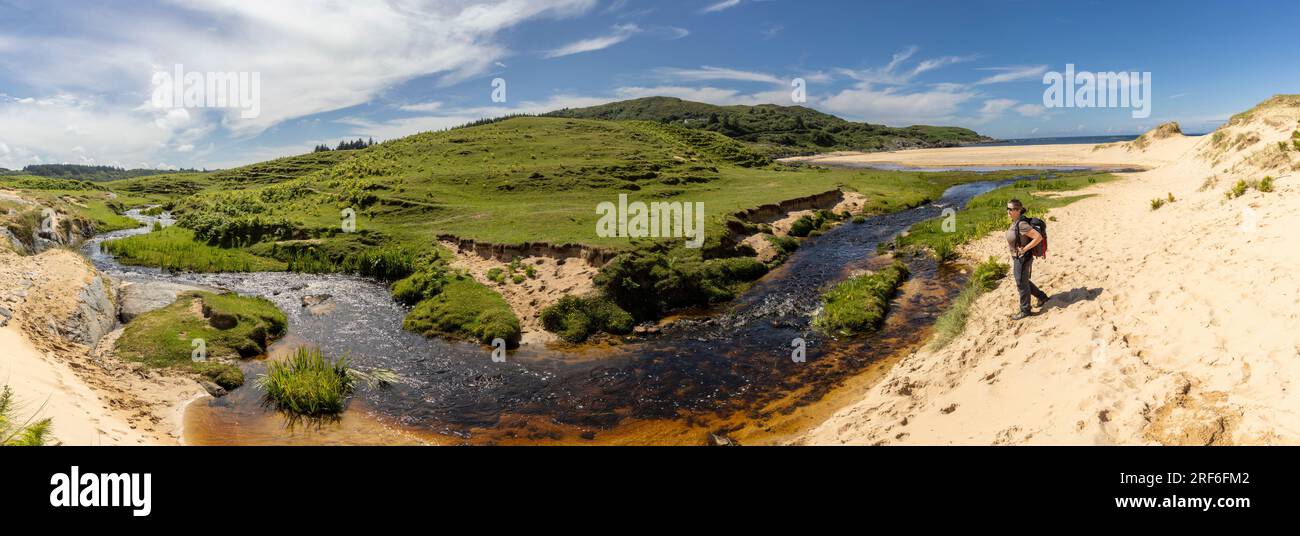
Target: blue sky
76 78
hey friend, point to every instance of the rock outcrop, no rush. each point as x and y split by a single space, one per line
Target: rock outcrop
136 299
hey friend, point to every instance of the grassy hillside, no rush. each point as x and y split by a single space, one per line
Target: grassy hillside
92 204
515 181
777 129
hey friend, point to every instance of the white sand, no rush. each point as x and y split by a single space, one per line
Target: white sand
47 388
1173 326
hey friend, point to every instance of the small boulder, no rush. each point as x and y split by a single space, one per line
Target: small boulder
312 300
213 389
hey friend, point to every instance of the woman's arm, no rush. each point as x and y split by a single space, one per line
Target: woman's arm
1034 239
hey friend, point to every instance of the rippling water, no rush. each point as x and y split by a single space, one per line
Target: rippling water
732 360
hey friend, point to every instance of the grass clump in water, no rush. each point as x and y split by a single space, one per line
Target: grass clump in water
308 384
944 252
859 304
953 321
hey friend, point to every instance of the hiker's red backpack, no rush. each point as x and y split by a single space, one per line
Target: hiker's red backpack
1039 225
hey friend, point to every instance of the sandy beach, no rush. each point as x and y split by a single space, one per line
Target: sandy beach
1172 326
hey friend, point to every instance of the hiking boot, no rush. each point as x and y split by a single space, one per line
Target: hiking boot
1020 316
1040 302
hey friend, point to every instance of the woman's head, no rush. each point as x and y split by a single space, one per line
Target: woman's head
1015 209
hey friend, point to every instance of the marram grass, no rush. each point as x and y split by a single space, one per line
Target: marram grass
16 433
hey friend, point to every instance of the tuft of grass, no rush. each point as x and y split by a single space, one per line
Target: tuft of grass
952 322
1157 203
1208 183
859 304
1265 185
944 251
1242 186
15 433
308 384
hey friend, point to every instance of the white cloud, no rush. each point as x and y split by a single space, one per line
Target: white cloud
421 107
719 73
1031 110
711 95
995 107
313 56
447 118
620 33
720 6
1013 74
896 107
66 129
891 74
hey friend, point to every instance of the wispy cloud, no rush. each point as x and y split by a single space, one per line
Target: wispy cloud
1013 74
719 73
619 34
893 73
720 6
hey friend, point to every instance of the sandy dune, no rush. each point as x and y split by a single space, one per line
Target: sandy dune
1169 326
93 398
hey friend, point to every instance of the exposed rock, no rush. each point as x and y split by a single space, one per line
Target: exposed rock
139 298
718 440
94 315
314 299
213 389
5 315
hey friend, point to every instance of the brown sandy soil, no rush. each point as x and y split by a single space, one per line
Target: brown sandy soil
93 398
1169 326
556 278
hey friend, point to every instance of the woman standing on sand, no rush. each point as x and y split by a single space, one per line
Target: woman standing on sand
1022 238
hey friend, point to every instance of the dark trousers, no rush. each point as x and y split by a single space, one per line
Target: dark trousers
1021 269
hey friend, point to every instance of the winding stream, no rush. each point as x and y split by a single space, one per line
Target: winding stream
728 369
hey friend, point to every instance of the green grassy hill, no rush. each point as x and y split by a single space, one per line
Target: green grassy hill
512 181
777 129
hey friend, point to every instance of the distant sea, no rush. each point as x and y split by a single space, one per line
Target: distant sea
1064 140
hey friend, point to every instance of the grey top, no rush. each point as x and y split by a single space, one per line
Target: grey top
1025 228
